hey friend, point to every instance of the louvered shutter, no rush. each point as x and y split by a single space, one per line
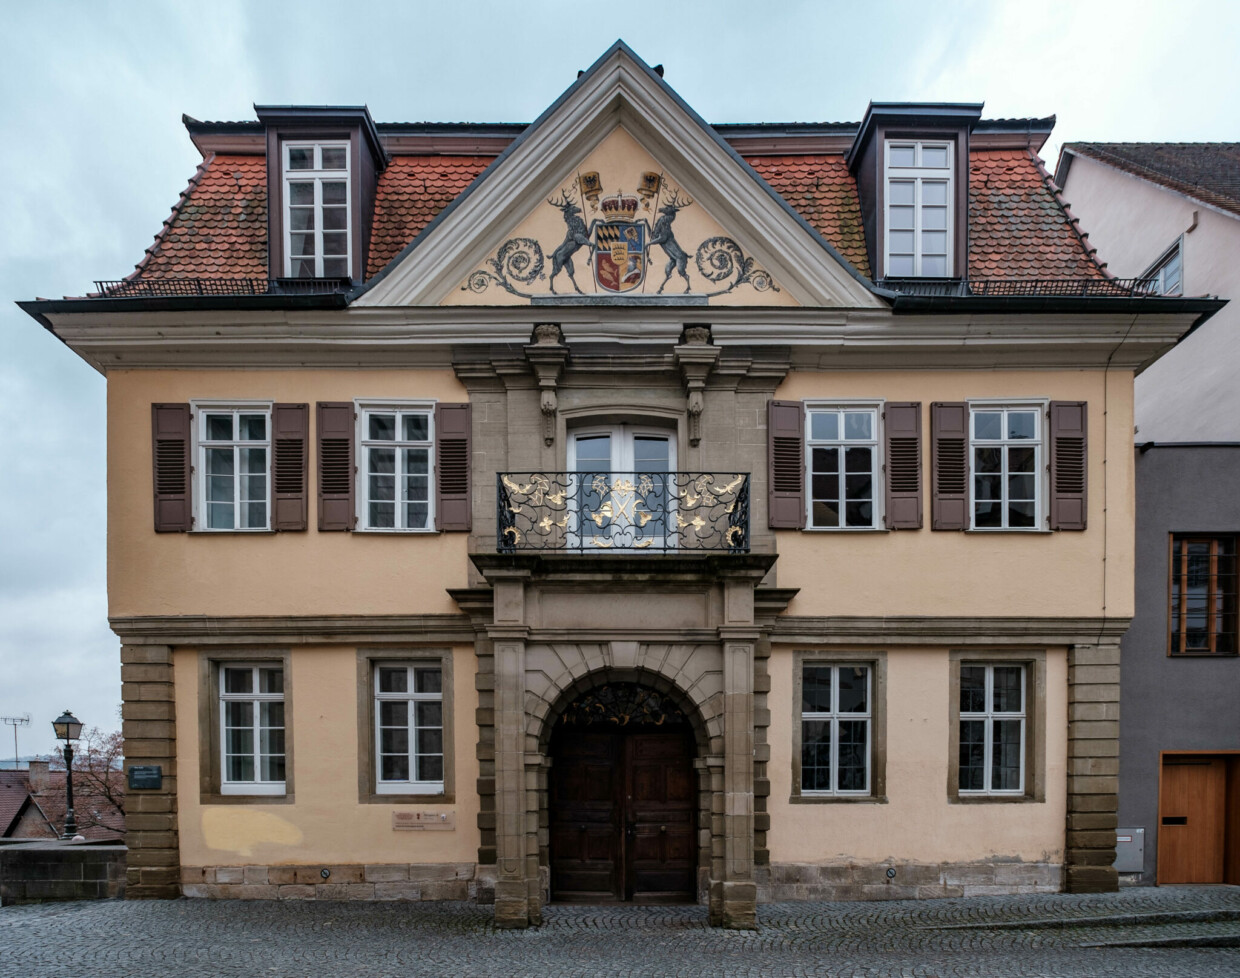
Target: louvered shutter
949 466
902 437
785 439
290 430
170 442
452 464
1069 458
334 427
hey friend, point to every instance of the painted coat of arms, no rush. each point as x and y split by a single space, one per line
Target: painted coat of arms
619 245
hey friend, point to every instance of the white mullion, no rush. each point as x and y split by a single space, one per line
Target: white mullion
917 205
255 711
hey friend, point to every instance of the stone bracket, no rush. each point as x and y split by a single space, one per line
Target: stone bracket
547 355
695 357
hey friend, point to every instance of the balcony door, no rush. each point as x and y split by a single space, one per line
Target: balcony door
624 497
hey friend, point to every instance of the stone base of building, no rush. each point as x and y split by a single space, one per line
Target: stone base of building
405 882
904 881
734 908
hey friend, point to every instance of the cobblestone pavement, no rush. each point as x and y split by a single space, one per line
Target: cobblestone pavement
1189 931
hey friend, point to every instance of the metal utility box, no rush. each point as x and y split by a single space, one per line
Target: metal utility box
1130 850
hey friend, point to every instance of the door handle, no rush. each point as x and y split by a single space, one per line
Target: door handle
630 831
663 828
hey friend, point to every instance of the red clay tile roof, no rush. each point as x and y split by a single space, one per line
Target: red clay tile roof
218 227
1210 172
13 794
412 190
1019 226
822 191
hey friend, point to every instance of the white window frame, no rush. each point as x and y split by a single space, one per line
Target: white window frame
988 716
834 716
257 786
1041 462
199 494
317 175
1156 274
877 462
918 174
623 437
362 409
410 697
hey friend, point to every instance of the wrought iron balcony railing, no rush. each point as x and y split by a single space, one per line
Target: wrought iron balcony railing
589 512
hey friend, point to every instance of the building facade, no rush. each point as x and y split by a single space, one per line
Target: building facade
620 507
1170 213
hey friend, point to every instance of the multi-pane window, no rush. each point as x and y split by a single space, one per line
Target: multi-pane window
316 210
918 208
397 445
843 467
1007 451
252 728
835 729
409 728
1166 277
992 729
1203 595
234 467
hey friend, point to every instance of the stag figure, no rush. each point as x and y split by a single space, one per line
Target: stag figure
663 236
578 236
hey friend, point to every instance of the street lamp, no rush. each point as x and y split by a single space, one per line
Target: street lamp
68 728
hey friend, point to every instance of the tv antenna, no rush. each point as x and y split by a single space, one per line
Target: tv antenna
16 722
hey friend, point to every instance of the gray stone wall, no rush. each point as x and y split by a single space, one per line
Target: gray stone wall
33 872
1173 703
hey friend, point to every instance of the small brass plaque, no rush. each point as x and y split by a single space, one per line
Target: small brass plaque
423 821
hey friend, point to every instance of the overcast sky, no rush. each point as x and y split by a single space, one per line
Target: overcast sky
93 155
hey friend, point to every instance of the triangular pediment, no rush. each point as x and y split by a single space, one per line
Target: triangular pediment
619 194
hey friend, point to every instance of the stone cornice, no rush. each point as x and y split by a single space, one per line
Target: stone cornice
199 630
825 338
933 630
286 630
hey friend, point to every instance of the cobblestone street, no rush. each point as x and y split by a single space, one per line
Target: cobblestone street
1190 931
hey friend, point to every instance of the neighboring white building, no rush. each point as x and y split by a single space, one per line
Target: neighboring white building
1171 211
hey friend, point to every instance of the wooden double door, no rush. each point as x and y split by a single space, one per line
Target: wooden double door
622 810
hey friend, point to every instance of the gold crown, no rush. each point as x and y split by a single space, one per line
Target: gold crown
620 205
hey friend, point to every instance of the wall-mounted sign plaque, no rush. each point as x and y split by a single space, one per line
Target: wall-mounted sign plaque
423 821
146 777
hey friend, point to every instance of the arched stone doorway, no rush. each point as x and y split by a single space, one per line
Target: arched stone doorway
623 801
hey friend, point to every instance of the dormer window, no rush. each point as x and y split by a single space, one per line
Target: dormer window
317 226
919 220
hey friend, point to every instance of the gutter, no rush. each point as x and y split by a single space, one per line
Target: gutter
39 309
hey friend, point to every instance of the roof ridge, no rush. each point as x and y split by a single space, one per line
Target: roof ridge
1074 222
162 233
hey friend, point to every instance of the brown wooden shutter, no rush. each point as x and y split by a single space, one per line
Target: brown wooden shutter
334 427
170 442
452 464
1069 458
785 440
290 430
902 435
949 466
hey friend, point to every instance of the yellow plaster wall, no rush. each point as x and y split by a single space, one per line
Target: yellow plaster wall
306 573
325 823
917 823
619 160
923 572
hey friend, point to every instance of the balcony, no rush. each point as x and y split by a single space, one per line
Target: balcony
625 512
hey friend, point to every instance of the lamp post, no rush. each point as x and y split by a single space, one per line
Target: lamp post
68 728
